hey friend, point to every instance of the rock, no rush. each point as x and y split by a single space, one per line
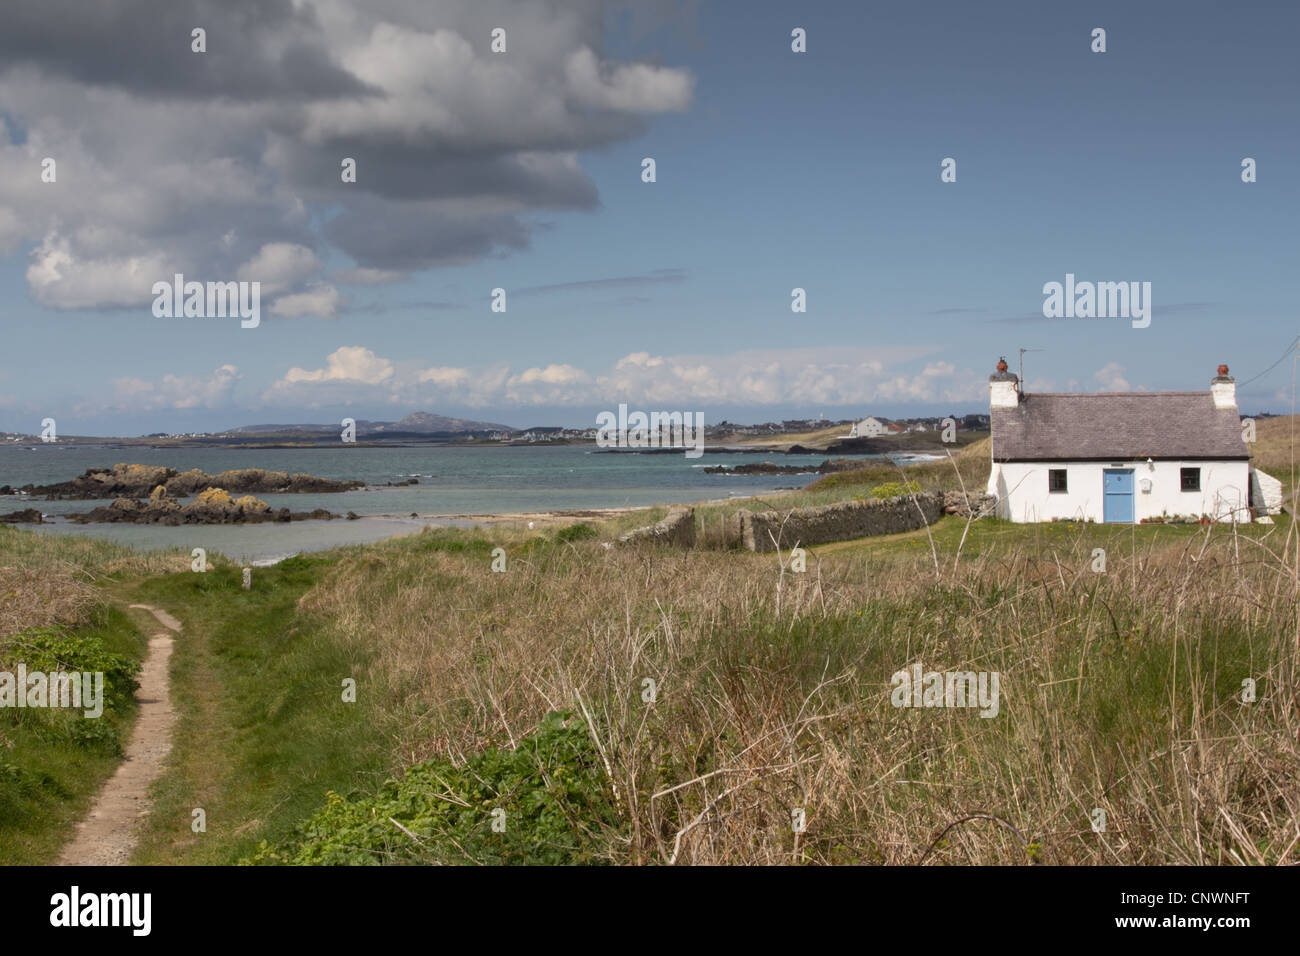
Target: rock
827 467
766 530
976 504
26 516
677 530
139 481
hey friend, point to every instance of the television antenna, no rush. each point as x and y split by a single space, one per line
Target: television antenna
1022 363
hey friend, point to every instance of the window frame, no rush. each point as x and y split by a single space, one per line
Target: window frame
1064 474
1183 476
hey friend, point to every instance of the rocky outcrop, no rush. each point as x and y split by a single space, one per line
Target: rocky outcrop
765 530
771 468
676 530
973 505
137 481
26 516
211 506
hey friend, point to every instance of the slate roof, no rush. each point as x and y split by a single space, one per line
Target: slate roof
1117 425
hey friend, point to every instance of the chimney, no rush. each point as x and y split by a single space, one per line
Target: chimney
1004 387
1223 389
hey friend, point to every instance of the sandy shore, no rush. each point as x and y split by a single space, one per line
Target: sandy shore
549 518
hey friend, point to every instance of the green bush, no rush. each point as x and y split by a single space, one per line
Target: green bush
49 649
551 788
577 532
895 489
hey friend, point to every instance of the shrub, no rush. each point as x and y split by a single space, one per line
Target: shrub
551 788
577 532
895 489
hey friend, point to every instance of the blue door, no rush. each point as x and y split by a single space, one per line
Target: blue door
1117 505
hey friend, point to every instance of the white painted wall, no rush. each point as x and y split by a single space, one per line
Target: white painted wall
1021 489
868 428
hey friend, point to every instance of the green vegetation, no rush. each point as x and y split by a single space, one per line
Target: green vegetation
644 706
55 616
547 798
264 731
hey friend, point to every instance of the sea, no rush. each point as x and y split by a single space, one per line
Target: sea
453 480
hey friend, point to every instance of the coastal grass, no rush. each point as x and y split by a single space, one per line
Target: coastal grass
1121 691
55 615
263 730
656 706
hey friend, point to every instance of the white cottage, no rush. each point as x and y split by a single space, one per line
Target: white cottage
1122 456
868 428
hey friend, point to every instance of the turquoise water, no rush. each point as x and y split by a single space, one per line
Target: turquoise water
452 481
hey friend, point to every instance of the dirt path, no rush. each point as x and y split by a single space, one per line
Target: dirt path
108 834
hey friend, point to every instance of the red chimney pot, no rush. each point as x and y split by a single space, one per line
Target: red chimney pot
1223 370
1002 365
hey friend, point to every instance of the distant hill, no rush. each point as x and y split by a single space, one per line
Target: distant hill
417 423
428 422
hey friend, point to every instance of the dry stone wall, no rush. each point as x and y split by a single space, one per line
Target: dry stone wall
764 530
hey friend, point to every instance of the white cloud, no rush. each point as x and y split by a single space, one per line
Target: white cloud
59 279
319 300
351 363
1111 378
820 377
634 87
171 392
279 266
169 165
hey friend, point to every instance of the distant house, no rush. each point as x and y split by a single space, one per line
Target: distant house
868 428
1123 457
918 427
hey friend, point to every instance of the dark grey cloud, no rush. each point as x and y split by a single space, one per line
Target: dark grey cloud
411 236
256 49
173 161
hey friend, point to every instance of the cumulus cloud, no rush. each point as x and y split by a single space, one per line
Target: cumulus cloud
279 266
320 300
352 364
172 392
824 377
1111 378
225 162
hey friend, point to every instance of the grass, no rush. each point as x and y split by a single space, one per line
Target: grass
1121 690
264 731
712 693
54 614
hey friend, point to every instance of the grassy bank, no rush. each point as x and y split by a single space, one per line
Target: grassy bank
605 705
1121 691
55 616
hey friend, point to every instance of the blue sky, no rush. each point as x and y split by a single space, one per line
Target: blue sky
774 170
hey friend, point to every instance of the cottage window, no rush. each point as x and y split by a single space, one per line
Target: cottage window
1191 478
1056 482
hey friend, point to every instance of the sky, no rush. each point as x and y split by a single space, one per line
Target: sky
522 170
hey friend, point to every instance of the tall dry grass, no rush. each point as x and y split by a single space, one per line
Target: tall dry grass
1120 691
54 580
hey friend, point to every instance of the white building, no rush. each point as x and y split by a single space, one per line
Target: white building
868 428
1122 456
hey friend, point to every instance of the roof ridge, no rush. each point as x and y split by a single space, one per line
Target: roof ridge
1108 394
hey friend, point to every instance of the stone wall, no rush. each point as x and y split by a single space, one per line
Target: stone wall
976 504
677 529
762 530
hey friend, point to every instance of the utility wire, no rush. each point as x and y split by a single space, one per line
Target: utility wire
1289 349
